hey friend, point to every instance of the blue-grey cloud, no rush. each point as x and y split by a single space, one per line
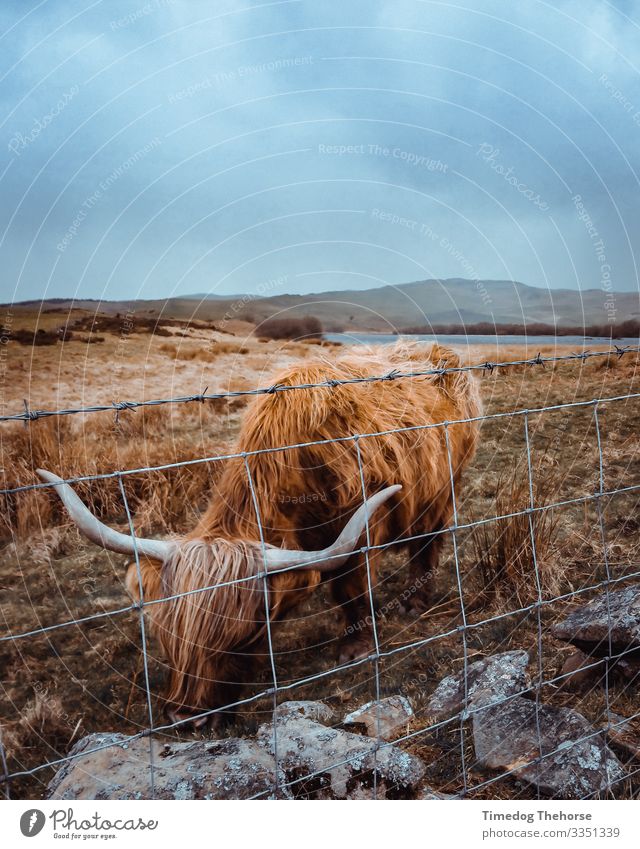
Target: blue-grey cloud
167 147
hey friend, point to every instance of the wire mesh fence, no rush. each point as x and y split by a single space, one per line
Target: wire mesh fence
262 577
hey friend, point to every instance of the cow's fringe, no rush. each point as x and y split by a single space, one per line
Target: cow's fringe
198 629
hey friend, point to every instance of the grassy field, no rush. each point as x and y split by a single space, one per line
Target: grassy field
87 677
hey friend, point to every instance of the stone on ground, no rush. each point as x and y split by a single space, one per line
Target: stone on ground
317 711
490 680
386 719
430 793
624 737
218 769
506 739
581 671
329 763
112 766
587 627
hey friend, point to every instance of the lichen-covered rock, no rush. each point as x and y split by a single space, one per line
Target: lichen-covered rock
580 671
317 711
506 739
587 627
385 719
112 766
433 795
624 736
629 667
329 763
490 680
219 769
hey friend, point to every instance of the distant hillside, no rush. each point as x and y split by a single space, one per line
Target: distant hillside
396 307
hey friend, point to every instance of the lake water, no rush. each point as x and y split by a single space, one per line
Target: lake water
462 339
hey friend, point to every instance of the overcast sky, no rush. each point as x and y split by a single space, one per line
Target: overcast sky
180 146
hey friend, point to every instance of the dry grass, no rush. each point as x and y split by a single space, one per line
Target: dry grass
148 436
44 721
206 354
504 550
77 679
133 365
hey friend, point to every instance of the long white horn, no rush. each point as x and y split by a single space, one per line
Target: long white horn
347 542
99 533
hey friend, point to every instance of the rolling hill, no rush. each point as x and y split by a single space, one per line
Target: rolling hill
389 308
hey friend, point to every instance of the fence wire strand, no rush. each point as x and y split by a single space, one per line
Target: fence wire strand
536 571
372 607
267 617
5 768
463 614
605 555
143 636
468 710
115 407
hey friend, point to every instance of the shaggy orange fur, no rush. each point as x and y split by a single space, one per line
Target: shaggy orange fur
305 495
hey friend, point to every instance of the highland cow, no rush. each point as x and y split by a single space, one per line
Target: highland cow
345 440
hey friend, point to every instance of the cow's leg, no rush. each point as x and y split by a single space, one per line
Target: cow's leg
350 590
424 556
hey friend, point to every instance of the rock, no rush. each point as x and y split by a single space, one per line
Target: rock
340 764
219 769
587 627
317 711
630 668
430 793
238 768
624 736
490 680
506 738
392 714
581 671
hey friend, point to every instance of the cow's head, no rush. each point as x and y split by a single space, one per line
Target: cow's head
204 597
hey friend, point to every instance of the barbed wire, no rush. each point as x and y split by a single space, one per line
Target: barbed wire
241 455
116 407
379 653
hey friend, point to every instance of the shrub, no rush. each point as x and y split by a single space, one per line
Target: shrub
207 354
38 337
70 447
307 327
503 549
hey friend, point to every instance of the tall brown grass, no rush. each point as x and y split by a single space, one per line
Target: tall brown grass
207 353
503 550
160 501
42 718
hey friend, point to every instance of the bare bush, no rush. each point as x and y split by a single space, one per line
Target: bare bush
307 327
508 551
147 436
